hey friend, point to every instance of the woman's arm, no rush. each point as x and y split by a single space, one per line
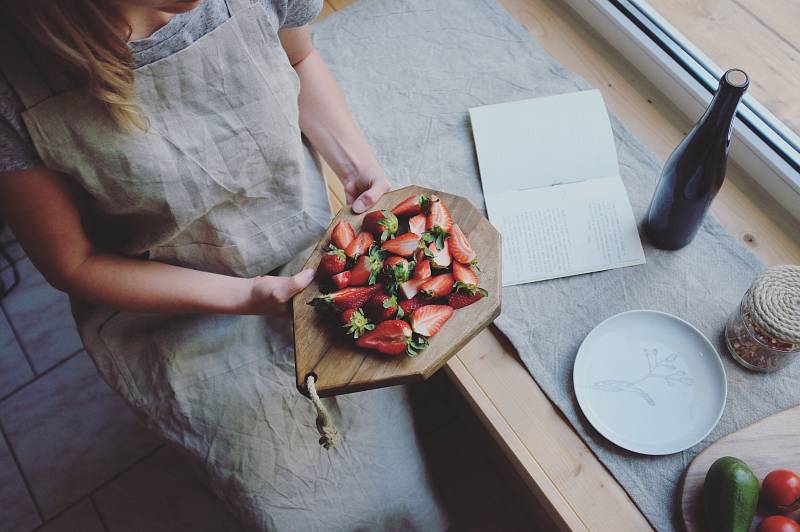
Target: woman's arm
43 214
327 122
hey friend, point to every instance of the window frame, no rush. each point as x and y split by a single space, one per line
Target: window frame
762 145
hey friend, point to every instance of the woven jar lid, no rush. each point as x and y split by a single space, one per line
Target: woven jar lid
774 300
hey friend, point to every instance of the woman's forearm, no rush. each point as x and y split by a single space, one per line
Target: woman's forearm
139 285
328 123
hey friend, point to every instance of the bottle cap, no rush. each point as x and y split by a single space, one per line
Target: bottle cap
736 78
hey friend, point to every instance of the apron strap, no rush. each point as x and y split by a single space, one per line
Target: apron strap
237 6
20 71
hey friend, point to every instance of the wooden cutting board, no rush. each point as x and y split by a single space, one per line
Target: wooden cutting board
323 350
769 444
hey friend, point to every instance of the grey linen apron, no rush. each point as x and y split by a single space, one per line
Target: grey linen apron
218 184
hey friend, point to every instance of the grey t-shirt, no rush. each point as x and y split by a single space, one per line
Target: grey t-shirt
17 151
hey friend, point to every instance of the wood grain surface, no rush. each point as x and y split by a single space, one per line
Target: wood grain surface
321 347
769 444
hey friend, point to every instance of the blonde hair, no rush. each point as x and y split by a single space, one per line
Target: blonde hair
91 37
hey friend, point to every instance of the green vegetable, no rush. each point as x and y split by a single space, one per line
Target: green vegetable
730 495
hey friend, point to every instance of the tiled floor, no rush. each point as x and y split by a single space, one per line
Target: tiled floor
74 458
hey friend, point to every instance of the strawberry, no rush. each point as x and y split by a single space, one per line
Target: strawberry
411 205
341 280
439 217
355 322
360 244
350 297
403 245
342 234
461 299
396 273
422 270
393 261
332 262
382 307
382 224
410 288
416 224
440 258
410 305
429 319
392 337
459 247
438 286
465 275
367 268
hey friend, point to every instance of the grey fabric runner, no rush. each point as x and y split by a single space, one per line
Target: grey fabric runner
410 70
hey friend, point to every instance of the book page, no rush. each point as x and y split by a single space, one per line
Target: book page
565 230
543 142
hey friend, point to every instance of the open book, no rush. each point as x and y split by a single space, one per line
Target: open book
552 187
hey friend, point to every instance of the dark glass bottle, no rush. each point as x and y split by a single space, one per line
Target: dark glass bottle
694 172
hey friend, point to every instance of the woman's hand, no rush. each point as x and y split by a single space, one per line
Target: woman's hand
270 295
364 189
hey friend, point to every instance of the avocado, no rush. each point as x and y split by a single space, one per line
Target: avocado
730 495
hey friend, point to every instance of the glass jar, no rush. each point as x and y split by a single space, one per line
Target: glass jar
753 347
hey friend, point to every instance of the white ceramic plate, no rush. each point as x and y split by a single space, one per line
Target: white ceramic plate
650 382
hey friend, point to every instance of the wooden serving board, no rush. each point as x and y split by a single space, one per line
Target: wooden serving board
323 350
769 444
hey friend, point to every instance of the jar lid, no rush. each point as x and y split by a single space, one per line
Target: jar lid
774 300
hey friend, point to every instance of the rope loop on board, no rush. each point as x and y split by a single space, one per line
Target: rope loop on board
328 435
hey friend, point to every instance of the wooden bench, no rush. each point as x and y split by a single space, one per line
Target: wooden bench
564 477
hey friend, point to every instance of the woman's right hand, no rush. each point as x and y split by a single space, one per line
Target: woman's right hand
270 295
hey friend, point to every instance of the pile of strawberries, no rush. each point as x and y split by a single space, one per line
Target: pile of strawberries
394 284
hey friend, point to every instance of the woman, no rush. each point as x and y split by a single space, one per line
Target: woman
152 167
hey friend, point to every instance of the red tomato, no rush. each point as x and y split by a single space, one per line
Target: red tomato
778 523
781 490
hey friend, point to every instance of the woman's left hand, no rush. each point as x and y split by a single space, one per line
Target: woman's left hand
365 188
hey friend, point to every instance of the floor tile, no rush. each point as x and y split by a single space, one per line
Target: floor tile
71 433
14 369
17 512
79 518
159 494
40 314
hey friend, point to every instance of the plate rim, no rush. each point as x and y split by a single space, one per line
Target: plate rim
633 448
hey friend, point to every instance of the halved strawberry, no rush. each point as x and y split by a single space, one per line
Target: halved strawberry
367 268
410 206
396 272
355 322
393 261
403 245
392 337
332 262
416 224
459 247
437 286
465 275
382 224
422 270
440 258
410 288
360 245
429 319
382 307
439 216
350 297
461 299
342 234
341 280
410 305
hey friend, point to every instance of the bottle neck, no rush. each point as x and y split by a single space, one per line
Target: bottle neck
721 110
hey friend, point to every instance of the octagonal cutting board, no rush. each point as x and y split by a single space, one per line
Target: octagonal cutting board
325 351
